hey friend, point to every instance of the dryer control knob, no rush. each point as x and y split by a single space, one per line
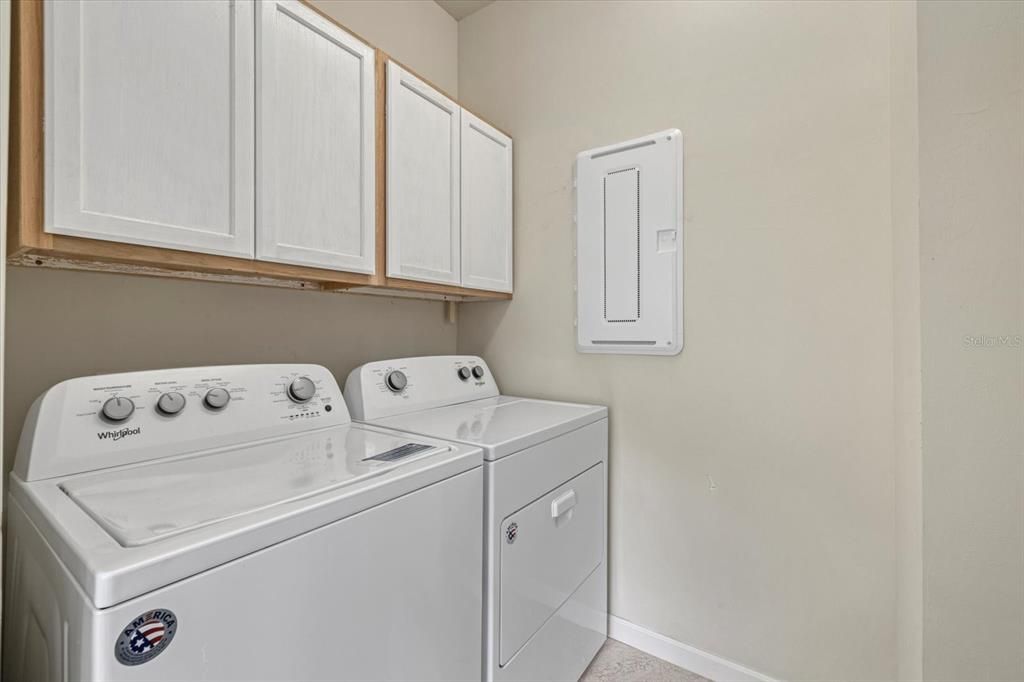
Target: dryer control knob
396 381
117 409
171 403
217 398
302 390
478 371
464 373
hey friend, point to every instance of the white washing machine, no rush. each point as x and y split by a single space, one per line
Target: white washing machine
230 523
545 480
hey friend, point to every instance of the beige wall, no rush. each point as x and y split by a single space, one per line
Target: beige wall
971 58
63 324
752 480
906 311
417 33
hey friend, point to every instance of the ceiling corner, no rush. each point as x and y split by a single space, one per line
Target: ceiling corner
460 9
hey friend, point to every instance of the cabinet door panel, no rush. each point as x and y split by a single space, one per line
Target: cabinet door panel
423 181
150 115
315 152
486 206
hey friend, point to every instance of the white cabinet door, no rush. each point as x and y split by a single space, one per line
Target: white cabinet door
486 206
423 181
150 123
315 141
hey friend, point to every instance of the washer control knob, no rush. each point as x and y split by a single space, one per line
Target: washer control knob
217 398
464 373
302 390
396 381
170 404
478 371
117 409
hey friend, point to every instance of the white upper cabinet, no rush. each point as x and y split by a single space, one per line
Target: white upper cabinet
486 206
250 129
423 234
150 123
315 153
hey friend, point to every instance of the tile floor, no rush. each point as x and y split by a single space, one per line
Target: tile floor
617 662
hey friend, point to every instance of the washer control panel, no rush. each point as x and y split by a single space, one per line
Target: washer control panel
96 422
390 387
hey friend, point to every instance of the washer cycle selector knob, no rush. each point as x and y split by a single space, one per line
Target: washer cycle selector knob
170 403
302 390
217 398
478 371
464 373
117 409
396 381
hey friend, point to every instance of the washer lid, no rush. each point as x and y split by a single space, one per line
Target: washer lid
317 479
152 502
500 425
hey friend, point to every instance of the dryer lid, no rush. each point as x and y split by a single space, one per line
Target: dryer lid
501 425
144 504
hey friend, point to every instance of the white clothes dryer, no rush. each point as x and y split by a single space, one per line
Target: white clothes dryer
545 502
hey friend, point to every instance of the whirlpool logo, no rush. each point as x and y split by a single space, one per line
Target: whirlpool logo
119 434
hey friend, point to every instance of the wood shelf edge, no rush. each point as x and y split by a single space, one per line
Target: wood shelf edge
264 274
51 260
405 286
86 254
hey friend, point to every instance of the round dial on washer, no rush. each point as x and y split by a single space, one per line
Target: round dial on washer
117 409
217 398
396 381
302 390
171 403
464 373
478 371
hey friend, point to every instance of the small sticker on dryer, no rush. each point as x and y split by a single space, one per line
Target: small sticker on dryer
145 637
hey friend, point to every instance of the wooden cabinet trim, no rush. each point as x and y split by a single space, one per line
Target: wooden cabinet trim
407 285
380 90
25 202
96 252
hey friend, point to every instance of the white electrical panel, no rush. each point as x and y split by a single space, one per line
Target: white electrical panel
629 246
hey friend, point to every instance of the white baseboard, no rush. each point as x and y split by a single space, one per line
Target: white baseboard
685 656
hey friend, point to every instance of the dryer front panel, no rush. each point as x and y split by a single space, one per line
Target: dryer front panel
548 549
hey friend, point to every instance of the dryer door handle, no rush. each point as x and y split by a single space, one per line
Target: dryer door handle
563 503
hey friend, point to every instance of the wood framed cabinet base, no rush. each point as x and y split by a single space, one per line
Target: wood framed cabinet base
407 288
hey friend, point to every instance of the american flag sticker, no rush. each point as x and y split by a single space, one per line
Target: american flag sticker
145 637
